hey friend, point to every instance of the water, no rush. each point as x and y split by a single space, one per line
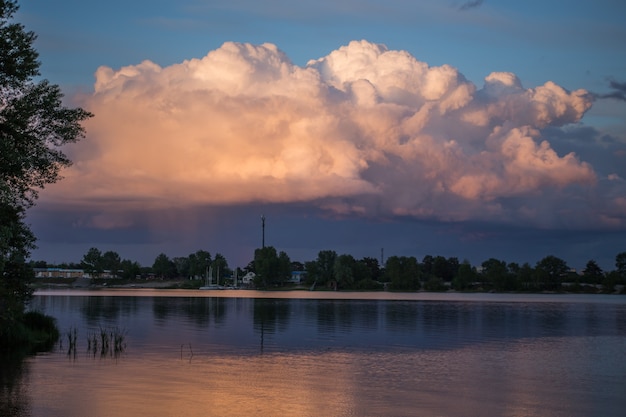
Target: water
232 353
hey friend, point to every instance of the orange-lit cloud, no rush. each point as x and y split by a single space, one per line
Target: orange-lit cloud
359 128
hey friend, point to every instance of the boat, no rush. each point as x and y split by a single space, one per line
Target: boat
208 285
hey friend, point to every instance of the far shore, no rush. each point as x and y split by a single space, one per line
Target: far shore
183 284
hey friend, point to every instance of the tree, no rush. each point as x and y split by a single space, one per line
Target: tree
92 262
326 266
403 273
344 271
266 266
182 265
312 272
111 261
220 267
494 272
199 263
373 266
34 125
427 265
163 267
284 266
297 266
270 268
445 269
620 265
592 273
16 240
130 269
465 276
551 271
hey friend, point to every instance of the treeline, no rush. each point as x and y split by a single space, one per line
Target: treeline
438 273
97 263
344 272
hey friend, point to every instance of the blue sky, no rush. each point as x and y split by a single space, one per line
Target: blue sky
483 197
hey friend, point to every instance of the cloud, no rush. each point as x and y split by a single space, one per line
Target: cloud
362 131
470 5
619 91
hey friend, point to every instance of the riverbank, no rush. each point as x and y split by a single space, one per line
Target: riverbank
182 284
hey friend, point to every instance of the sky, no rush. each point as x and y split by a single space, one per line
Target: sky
468 129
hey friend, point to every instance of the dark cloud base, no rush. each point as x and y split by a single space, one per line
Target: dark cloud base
302 232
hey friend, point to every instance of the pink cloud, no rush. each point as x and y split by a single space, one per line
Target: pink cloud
243 124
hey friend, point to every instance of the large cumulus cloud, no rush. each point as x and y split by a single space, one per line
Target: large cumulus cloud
362 130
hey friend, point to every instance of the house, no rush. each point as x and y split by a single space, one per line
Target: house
71 273
248 279
58 273
297 277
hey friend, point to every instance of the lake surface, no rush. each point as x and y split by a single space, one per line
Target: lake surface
247 353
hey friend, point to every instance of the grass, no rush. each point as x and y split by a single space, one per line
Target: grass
107 342
33 332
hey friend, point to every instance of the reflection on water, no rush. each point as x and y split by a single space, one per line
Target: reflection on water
234 356
14 393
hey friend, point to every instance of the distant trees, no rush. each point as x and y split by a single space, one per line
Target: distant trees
496 274
95 263
199 263
344 272
322 270
465 277
403 273
550 272
271 268
111 262
163 267
620 265
130 269
592 273
219 266
92 262
344 269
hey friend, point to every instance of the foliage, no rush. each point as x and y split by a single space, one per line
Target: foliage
271 268
496 274
284 266
220 266
33 126
443 268
16 240
111 262
368 284
620 265
34 332
435 284
344 271
349 273
92 262
130 269
373 268
403 273
592 273
163 267
322 270
199 263
33 121
465 276
550 272
42 329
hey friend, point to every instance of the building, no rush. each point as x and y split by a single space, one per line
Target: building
297 277
70 273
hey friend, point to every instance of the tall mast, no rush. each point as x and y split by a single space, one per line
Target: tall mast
263 231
